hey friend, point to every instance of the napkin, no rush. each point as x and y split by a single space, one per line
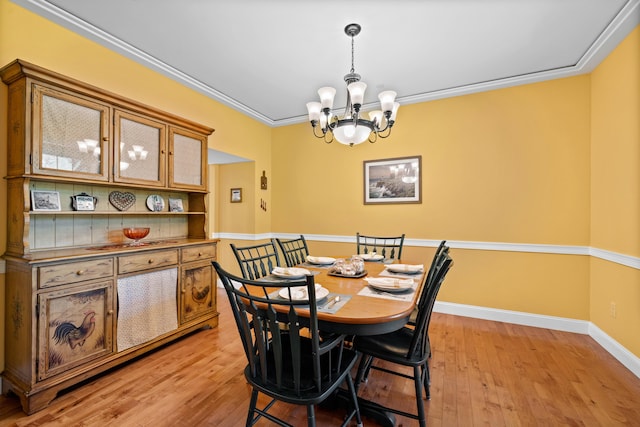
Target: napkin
389 283
405 268
371 256
290 271
320 259
299 292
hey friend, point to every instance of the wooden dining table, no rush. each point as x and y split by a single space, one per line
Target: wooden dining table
362 314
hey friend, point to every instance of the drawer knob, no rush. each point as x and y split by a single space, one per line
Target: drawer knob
199 253
109 312
184 291
150 261
79 272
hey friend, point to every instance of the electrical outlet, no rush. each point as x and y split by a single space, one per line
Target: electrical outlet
613 309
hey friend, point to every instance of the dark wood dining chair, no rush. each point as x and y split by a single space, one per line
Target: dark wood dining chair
408 346
295 251
288 364
256 261
388 247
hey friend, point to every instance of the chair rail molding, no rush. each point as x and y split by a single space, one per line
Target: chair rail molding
626 260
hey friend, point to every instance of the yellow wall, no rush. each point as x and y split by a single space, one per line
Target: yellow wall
509 165
615 191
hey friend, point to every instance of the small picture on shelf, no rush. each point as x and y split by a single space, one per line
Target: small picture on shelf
175 205
45 200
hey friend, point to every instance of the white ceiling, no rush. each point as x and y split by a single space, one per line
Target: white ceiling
268 58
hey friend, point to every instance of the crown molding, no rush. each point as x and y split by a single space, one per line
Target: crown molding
621 25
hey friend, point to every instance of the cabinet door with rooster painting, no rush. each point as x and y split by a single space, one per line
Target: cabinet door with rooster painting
75 327
197 293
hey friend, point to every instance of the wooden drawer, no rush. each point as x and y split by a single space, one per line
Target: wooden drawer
197 253
148 260
63 274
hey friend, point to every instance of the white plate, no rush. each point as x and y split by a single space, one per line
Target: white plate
320 260
155 203
405 268
290 272
299 293
371 257
389 284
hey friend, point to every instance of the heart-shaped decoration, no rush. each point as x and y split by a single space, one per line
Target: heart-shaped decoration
122 201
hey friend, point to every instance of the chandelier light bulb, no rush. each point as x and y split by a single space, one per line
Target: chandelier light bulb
314 111
356 92
394 111
387 99
326 97
376 117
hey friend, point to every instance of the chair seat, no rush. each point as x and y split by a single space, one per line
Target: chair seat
392 347
332 369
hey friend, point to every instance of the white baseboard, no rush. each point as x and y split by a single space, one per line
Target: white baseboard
624 356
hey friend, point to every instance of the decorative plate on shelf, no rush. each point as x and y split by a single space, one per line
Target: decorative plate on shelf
122 201
155 203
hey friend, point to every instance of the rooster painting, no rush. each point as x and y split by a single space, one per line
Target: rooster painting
76 335
199 296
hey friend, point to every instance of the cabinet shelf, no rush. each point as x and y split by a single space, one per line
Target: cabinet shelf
110 213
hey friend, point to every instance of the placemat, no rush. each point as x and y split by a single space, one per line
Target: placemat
368 291
323 307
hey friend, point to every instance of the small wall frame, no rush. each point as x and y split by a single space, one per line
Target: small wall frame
236 195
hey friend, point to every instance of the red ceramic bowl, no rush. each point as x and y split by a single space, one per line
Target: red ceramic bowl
136 233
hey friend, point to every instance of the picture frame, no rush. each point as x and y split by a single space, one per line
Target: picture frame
175 205
391 181
45 201
236 195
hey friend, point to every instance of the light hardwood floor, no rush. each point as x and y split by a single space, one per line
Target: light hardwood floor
483 374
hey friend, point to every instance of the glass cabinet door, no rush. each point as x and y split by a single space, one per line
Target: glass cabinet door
70 135
139 150
187 159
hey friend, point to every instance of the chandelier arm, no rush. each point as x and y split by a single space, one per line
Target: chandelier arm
388 129
374 133
316 134
325 138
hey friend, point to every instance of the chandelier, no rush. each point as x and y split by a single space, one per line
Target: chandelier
352 129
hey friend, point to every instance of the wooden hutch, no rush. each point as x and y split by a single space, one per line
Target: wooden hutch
80 298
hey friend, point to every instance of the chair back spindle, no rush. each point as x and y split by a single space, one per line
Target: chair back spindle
388 247
256 261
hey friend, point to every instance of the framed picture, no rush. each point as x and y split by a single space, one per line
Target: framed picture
236 195
397 180
45 200
175 205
